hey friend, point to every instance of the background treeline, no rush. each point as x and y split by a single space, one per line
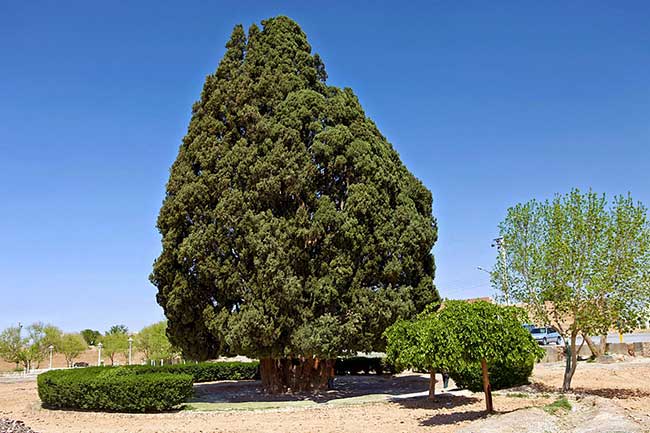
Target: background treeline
29 347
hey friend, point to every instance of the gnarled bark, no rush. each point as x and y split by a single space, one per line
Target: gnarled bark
303 374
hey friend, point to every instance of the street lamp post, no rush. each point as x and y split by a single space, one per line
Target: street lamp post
51 349
99 354
130 347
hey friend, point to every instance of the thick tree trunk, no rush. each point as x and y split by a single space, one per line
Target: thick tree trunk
487 389
571 362
432 384
595 350
304 374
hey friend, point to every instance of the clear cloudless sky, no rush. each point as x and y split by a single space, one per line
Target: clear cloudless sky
489 103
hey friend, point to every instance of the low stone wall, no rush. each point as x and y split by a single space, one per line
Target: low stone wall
556 353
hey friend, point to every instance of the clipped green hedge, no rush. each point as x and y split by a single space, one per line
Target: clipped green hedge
206 371
363 364
502 376
113 389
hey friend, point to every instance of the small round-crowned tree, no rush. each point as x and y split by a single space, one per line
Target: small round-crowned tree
462 334
292 232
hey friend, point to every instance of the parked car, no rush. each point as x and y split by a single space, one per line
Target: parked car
80 364
546 335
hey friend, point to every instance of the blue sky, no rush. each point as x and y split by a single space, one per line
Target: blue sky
489 103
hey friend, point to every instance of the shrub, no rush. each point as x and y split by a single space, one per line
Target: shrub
501 375
367 365
113 389
205 371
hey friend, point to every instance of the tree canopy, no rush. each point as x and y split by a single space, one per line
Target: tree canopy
71 346
578 264
152 341
461 334
91 336
290 227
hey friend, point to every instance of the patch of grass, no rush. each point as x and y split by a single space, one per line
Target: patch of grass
517 395
370 398
247 406
561 404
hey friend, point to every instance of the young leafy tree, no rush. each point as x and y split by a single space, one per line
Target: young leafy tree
291 230
40 337
114 344
12 345
71 346
461 334
152 341
423 344
579 265
91 336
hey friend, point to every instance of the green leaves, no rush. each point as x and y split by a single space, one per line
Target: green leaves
460 335
290 226
578 263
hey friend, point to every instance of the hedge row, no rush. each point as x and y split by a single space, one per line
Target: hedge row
136 388
367 365
113 389
502 376
206 371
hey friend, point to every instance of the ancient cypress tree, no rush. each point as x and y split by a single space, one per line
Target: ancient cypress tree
291 230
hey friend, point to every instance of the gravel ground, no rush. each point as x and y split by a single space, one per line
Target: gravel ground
13 426
626 384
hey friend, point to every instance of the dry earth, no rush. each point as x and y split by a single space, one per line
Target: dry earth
627 385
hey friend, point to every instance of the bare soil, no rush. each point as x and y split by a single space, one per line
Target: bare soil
626 385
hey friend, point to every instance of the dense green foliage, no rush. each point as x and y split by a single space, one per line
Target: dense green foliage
502 375
290 227
113 389
206 371
364 364
461 335
579 264
91 336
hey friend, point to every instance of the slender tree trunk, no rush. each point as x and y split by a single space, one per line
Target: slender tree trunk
487 389
303 374
595 350
432 384
603 344
571 363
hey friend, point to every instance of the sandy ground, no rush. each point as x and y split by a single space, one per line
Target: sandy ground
627 384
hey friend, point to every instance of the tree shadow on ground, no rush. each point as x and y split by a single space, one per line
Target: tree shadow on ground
620 393
447 405
344 387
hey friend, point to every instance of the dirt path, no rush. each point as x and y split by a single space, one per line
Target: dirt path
630 381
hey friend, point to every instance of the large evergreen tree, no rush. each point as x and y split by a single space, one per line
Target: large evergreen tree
292 232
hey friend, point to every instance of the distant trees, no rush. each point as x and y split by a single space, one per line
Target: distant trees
91 336
12 345
113 344
461 335
578 264
152 341
30 349
29 346
117 329
71 346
